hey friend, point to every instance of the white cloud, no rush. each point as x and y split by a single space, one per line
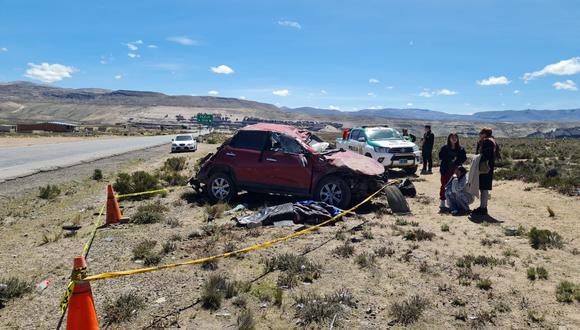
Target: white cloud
242 97
119 77
373 81
437 92
132 47
291 24
409 104
493 80
151 46
333 107
222 69
376 107
3 49
371 94
567 85
323 92
281 92
563 68
49 72
517 91
133 55
213 92
182 40
389 87
138 42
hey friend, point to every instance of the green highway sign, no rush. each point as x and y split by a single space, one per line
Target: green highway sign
204 118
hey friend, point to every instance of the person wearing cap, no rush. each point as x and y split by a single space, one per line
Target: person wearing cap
427 150
456 192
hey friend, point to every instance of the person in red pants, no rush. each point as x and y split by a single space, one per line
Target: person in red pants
451 156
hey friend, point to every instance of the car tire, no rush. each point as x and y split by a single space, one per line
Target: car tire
411 170
396 200
334 191
368 155
221 188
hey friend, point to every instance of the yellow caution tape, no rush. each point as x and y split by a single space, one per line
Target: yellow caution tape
97 225
66 297
150 192
229 254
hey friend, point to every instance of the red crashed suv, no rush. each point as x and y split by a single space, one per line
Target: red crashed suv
281 159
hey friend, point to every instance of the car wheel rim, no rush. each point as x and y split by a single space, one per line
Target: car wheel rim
331 194
220 188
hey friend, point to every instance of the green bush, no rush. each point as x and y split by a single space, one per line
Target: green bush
139 181
97 175
50 191
11 288
567 292
408 311
174 164
123 309
543 239
147 214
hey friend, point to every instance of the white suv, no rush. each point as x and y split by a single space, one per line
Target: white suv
183 142
383 144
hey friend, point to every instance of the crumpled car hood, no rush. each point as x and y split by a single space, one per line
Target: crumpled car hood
355 162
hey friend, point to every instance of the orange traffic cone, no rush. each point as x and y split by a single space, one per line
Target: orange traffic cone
113 212
81 308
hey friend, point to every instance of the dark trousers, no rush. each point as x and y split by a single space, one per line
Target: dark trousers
427 160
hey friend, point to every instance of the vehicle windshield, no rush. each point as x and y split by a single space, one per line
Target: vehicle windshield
383 134
183 138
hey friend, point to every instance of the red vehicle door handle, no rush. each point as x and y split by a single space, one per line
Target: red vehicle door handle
271 160
231 154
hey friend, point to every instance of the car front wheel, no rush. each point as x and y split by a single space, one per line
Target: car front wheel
333 191
221 188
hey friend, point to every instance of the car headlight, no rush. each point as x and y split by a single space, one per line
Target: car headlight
381 149
415 148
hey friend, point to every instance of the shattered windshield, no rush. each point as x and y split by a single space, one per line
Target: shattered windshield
383 134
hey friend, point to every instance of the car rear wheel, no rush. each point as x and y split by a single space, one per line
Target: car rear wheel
411 170
221 188
333 191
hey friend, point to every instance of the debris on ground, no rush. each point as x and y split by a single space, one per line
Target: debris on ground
305 212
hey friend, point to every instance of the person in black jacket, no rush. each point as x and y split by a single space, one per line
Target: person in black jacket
427 150
487 147
451 156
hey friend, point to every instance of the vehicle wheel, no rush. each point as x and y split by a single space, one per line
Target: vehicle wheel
334 191
411 170
221 188
396 200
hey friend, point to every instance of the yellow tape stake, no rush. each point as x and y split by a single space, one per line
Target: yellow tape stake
229 254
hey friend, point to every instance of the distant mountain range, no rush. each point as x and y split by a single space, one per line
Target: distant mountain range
513 116
25 100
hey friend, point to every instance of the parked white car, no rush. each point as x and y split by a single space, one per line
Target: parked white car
183 142
383 144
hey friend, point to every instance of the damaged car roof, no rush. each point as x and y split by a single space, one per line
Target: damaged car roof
286 129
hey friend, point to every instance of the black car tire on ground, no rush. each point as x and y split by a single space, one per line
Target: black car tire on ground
411 170
397 201
221 188
334 191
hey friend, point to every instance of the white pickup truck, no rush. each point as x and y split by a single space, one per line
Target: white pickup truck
383 144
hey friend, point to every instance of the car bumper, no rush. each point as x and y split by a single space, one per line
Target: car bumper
183 148
400 160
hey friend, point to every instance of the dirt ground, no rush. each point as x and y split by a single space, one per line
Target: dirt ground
33 250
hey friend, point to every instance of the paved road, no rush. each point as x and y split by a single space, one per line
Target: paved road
22 161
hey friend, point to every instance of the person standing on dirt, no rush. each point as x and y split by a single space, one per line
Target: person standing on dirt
427 150
487 147
451 156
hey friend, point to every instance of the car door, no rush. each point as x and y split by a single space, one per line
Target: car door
243 155
355 144
285 166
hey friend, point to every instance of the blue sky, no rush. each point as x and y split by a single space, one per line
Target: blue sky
454 56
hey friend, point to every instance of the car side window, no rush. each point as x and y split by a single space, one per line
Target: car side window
285 144
252 140
355 134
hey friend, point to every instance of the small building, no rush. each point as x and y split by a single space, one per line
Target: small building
7 128
53 126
